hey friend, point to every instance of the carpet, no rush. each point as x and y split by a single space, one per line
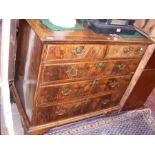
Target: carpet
138 122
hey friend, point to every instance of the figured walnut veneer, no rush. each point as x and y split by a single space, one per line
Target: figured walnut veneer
65 76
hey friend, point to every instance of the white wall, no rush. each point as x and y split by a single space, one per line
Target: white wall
5 93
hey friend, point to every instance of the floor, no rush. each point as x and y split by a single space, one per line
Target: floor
18 129
16 121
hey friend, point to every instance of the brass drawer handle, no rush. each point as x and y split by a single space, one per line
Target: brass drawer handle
43 101
127 50
105 102
87 101
140 49
79 50
65 91
94 83
121 66
72 71
112 83
60 112
100 64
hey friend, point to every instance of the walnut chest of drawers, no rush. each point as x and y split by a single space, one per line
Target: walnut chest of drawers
66 76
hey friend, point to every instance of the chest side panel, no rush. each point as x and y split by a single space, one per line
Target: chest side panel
28 59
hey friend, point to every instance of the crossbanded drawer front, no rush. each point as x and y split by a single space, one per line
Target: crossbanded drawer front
74 52
87 70
125 51
74 108
72 90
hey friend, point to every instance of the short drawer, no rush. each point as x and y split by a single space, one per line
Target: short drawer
74 108
87 70
125 51
74 52
67 91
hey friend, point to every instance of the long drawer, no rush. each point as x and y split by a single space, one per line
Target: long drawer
74 108
66 91
87 70
91 52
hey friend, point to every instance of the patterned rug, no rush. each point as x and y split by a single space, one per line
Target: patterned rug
138 122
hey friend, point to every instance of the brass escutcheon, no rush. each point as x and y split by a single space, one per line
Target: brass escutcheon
112 83
79 50
100 64
121 66
65 91
60 112
105 102
127 50
72 71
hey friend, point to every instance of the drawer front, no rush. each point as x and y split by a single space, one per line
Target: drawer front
72 71
125 51
62 111
78 51
57 93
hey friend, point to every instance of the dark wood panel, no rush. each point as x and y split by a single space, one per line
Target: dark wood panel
150 103
27 65
142 90
151 63
87 70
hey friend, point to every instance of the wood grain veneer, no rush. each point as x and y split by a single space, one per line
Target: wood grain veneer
65 76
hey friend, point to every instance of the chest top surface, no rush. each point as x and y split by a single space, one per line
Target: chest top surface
84 36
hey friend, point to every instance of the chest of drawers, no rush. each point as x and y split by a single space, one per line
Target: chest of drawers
66 76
